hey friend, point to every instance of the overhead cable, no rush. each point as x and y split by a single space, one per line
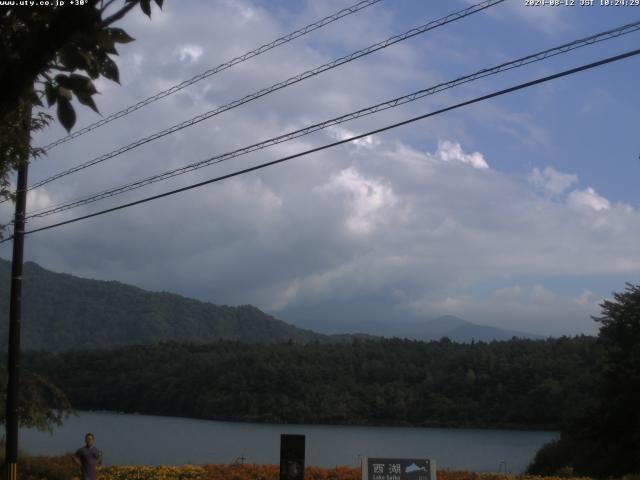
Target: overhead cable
212 71
343 141
286 83
395 102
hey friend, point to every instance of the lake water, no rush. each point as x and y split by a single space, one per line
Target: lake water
150 440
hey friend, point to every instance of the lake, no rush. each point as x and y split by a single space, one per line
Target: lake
152 440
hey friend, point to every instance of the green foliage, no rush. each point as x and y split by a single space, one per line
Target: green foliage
41 404
389 382
550 459
14 141
66 113
604 438
53 54
62 312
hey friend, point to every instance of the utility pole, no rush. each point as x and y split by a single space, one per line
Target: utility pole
15 310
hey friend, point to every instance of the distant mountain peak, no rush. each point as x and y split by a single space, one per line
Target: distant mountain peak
459 330
63 311
448 318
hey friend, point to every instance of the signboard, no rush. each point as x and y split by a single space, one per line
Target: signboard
398 469
292 450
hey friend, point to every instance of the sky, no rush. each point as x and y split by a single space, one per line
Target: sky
521 212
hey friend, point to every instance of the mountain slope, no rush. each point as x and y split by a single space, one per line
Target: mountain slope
376 316
62 312
460 330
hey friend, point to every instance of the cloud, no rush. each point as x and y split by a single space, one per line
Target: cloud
368 199
394 222
551 180
414 217
547 19
588 198
190 53
340 133
587 299
450 151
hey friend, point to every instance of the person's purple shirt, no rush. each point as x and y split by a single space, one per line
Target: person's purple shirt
89 458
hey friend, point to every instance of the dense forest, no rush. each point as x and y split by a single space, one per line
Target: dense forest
512 384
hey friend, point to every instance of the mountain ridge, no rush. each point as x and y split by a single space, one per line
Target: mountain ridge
460 330
62 312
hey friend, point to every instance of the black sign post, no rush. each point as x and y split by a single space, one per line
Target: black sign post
292 457
398 469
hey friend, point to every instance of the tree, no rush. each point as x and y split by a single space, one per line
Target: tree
42 403
53 55
604 440
619 410
49 54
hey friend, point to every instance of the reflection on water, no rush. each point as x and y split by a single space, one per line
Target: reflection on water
150 440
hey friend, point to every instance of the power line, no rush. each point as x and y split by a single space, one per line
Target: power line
223 66
290 81
536 57
346 140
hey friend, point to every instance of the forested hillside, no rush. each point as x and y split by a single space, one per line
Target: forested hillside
62 312
518 383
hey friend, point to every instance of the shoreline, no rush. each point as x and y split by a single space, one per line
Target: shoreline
506 428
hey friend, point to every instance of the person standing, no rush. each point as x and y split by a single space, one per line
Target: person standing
88 458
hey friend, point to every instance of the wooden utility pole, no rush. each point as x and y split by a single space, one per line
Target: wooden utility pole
15 311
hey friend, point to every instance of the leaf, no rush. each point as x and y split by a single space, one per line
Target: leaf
118 35
32 96
87 99
51 94
62 80
71 57
107 49
81 84
109 69
66 113
104 40
93 66
159 3
145 5
64 93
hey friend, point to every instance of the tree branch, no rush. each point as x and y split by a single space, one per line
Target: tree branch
119 14
61 68
103 7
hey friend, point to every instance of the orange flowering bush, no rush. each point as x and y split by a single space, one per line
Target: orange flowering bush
237 471
272 472
61 468
465 475
163 472
47 468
